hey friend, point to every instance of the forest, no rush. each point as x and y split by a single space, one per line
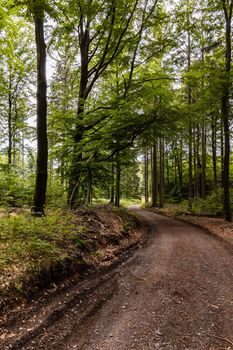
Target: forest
110 101
116 174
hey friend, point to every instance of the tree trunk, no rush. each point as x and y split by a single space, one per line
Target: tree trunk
190 186
112 192
214 149
118 181
22 154
154 176
146 177
167 167
203 175
89 188
75 173
42 142
195 163
161 172
190 166
10 105
199 164
226 112
222 153
180 164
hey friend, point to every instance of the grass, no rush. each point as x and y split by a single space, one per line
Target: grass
25 238
36 251
31 246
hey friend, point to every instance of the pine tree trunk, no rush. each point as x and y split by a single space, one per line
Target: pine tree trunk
42 143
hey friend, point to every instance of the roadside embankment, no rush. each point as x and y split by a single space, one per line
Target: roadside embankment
39 253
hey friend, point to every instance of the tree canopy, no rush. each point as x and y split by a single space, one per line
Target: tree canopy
108 100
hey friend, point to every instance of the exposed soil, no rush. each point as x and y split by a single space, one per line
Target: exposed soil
176 292
104 232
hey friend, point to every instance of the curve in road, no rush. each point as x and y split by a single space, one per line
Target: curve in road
176 292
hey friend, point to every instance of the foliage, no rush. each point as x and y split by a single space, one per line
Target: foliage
36 240
119 83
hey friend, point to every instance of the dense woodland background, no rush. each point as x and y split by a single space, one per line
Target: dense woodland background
136 101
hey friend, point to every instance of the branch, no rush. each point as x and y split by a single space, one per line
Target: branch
97 109
225 9
139 131
90 126
102 65
153 79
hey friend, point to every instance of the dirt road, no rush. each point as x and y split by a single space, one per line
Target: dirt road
176 292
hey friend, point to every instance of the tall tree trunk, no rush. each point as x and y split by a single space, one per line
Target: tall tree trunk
167 167
190 136
22 154
62 172
199 164
75 173
50 177
222 153
203 140
214 149
112 192
146 176
180 164
10 105
226 110
175 166
155 175
89 188
42 142
118 181
195 162
161 172
203 175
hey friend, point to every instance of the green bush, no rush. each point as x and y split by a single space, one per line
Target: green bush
26 240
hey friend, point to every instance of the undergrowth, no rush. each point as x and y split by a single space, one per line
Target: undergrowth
36 251
30 247
27 239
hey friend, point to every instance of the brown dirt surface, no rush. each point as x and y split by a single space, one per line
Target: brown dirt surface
176 292
217 226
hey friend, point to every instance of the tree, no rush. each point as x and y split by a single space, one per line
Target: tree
103 35
42 142
227 7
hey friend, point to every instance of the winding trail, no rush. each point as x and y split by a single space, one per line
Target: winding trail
176 292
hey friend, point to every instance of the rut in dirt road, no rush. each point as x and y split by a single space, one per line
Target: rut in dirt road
176 292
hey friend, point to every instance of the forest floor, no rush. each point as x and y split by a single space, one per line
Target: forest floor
35 253
176 292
